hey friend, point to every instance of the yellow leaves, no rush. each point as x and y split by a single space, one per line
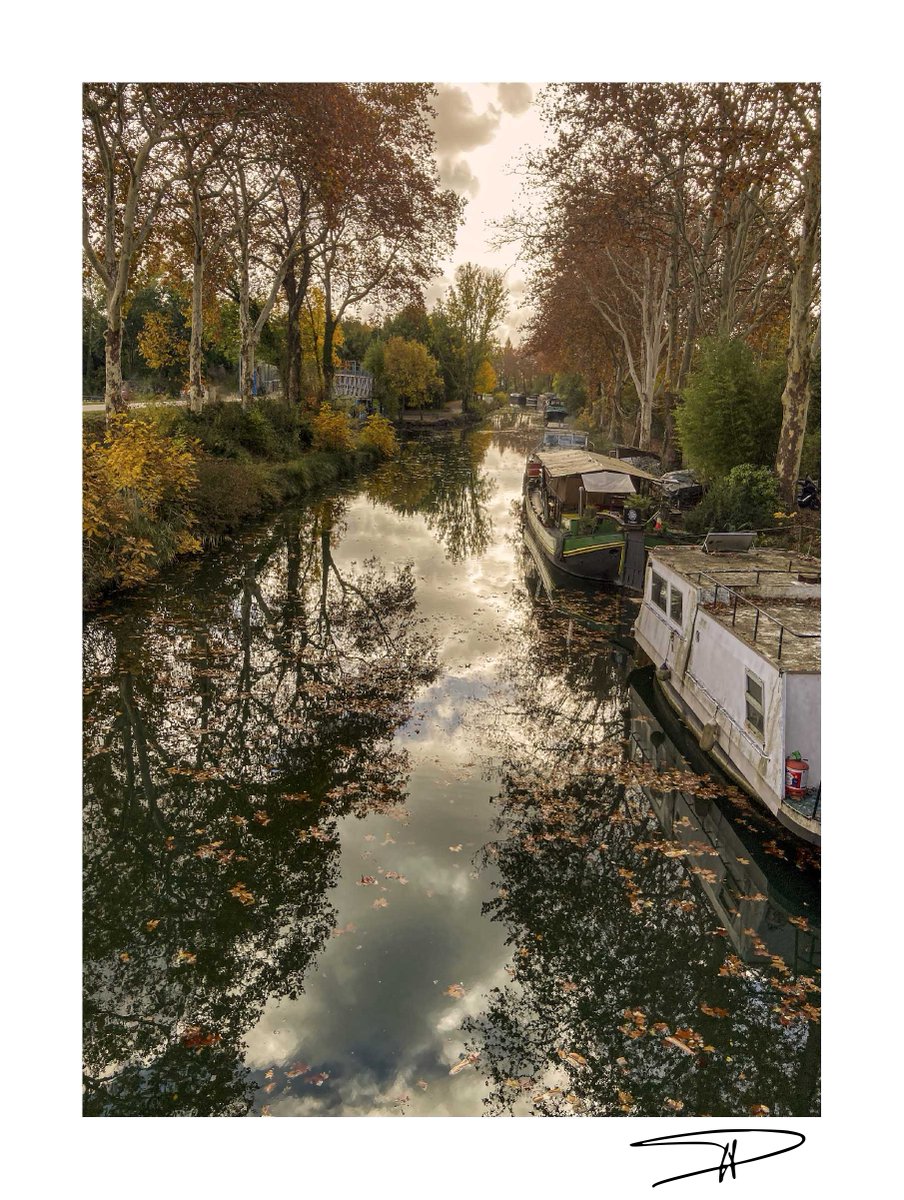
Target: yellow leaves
379 434
455 849
261 817
185 956
159 343
381 903
332 430
485 379
241 893
124 956
150 926
758 1110
625 1100
674 1105
455 990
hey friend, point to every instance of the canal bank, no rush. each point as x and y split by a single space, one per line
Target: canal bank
367 833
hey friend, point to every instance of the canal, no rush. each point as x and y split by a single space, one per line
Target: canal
379 821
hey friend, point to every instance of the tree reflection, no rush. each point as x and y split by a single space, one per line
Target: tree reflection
229 724
441 480
627 994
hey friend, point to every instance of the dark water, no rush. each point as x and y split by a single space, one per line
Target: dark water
364 797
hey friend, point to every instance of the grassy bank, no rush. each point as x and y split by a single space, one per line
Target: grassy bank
165 482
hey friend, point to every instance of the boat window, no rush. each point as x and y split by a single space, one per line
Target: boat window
676 604
658 591
754 701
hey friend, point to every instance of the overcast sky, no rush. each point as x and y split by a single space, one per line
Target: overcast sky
480 130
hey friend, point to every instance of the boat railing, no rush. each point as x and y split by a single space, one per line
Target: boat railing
735 598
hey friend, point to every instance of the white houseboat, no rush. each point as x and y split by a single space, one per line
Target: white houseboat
735 638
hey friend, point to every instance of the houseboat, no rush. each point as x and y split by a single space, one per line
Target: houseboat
734 635
578 507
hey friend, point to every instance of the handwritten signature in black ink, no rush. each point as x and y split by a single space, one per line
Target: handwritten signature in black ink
728 1146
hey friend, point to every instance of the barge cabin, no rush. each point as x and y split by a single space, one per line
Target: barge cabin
735 637
578 506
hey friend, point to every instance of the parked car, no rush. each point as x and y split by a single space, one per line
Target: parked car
682 489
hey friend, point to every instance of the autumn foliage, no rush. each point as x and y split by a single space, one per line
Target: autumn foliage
379 434
332 430
137 503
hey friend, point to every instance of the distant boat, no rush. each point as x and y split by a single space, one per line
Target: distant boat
578 507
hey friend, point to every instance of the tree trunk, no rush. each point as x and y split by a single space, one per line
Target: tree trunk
197 393
246 337
294 300
796 396
329 328
114 400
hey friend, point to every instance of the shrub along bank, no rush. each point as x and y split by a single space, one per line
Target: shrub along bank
161 481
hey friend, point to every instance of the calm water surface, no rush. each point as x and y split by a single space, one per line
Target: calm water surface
380 822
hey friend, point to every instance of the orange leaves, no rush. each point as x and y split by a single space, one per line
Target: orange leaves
194 1037
261 817
185 956
319 1079
636 1023
299 1068
712 1011
758 1110
366 881
241 893
800 922
674 1105
381 903
455 990
150 926
732 966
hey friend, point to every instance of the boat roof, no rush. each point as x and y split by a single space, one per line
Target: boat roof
579 462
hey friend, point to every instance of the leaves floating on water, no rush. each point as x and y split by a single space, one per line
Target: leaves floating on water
241 893
299 1068
464 1062
366 881
381 903
456 990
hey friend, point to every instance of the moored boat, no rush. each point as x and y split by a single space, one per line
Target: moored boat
585 513
735 637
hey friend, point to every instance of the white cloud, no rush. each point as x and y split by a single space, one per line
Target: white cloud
458 125
515 98
456 173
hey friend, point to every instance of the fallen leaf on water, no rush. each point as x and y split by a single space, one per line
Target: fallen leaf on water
675 1105
265 1111
572 1057
268 1074
366 881
185 956
369 837
547 1094
241 893
261 817
319 1079
711 1011
455 849
455 989
568 985
464 1062
381 903
680 1045
422 1085
150 926
124 956
299 1068
758 1110
800 922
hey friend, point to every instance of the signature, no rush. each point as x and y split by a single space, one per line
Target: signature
728 1148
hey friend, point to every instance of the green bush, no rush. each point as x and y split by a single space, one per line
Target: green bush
746 498
731 409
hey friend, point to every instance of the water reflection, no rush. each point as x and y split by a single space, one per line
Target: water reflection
659 965
351 818
230 724
442 480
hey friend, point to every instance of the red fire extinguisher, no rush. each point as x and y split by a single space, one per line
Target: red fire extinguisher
795 776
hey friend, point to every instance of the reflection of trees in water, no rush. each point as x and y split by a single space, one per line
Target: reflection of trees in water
625 994
440 479
229 726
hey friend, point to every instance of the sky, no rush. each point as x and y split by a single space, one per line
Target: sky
481 128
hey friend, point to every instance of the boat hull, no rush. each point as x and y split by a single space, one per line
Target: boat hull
601 562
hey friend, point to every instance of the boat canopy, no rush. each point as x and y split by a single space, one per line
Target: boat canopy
608 481
558 463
